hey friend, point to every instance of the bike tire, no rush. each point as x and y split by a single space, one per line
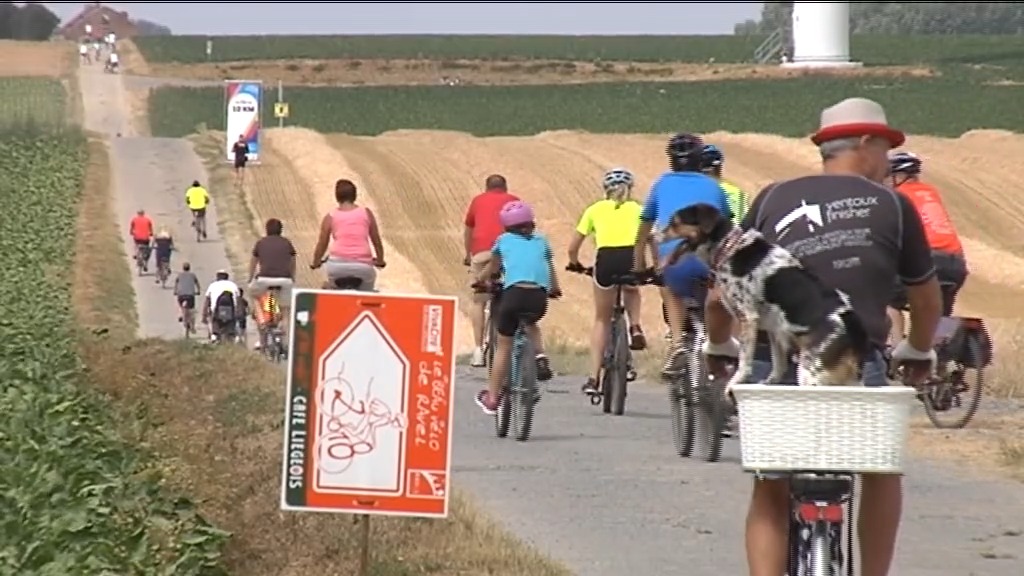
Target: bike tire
973 346
608 373
620 366
820 547
523 391
680 399
712 414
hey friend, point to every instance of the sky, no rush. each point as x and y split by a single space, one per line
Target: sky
218 18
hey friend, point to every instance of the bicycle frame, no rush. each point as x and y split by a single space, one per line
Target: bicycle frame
816 524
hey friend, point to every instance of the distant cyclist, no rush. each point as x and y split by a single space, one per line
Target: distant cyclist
221 307
141 231
483 226
186 288
613 221
197 199
684 185
163 246
712 161
947 252
272 266
529 278
347 234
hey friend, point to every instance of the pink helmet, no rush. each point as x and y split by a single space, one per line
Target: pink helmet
516 213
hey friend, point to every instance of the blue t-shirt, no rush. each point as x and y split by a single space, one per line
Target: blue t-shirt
674 191
524 259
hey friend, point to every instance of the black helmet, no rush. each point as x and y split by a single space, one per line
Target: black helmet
685 152
905 163
195 183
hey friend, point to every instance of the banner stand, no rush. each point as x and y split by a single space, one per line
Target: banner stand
243 115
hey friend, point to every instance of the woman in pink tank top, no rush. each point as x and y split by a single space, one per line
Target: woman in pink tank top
346 234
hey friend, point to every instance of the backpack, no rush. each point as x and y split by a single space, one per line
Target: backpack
224 308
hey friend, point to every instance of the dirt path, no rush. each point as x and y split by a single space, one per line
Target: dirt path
151 174
607 497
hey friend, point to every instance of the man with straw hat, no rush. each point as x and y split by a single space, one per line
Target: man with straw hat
858 236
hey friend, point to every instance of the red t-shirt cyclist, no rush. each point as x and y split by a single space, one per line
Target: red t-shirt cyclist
141 230
483 226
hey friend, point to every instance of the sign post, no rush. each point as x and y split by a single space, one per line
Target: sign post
243 104
368 422
280 107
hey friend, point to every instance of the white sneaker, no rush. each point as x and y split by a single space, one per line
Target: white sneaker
478 357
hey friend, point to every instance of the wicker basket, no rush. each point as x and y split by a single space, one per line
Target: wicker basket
823 428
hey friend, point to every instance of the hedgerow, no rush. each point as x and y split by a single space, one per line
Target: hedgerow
870 49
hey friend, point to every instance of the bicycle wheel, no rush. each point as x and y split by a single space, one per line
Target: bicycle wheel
620 365
503 418
199 233
681 401
711 414
608 373
819 553
943 400
523 389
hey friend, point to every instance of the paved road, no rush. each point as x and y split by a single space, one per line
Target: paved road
604 495
152 174
607 496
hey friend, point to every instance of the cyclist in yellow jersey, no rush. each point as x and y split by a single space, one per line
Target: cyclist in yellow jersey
712 161
613 222
197 199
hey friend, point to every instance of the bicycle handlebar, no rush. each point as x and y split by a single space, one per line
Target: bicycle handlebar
648 276
495 288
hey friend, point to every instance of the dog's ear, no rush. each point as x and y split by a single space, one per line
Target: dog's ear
707 217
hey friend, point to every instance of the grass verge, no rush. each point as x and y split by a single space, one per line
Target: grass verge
214 419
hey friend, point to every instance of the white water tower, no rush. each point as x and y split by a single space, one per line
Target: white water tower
821 35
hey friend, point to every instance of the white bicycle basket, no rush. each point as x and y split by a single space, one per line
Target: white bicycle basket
823 428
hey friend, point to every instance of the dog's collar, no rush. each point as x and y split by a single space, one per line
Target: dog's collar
727 247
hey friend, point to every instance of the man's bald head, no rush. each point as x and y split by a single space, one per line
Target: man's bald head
496 182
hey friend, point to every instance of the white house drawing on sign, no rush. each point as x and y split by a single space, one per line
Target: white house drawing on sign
361 412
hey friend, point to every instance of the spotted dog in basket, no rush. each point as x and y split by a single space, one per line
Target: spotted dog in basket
766 288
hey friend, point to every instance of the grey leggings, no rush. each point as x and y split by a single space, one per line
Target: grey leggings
347 269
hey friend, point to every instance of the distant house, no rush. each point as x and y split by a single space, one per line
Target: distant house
103 20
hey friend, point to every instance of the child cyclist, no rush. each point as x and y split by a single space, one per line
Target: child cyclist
526 260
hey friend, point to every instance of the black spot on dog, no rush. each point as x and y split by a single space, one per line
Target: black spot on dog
747 259
804 300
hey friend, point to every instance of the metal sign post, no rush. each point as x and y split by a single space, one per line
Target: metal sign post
281 109
364 545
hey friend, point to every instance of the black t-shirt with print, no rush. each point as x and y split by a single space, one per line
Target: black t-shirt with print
854 234
241 150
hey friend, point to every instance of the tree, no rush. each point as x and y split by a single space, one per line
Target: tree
29 22
907 18
147 28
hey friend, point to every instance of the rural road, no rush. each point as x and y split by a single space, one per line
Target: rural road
604 495
608 497
152 174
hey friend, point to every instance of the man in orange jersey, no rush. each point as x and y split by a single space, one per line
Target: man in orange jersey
947 252
141 230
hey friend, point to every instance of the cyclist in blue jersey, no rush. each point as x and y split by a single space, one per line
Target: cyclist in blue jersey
684 185
529 278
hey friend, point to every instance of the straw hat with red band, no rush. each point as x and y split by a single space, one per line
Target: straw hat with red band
855 117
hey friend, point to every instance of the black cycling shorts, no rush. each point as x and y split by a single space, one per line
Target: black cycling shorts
201 212
950 271
529 304
611 263
187 302
141 243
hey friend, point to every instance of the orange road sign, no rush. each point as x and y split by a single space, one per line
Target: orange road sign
368 422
